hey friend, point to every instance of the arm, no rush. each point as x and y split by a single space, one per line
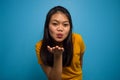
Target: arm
81 59
54 73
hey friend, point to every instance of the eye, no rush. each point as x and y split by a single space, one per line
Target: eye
65 25
55 24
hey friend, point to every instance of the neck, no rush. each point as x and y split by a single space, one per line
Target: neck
60 44
55 43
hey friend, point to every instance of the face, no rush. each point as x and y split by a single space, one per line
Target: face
59 26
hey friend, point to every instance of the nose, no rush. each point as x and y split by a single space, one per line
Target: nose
60 28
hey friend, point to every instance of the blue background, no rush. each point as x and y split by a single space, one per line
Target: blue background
21 26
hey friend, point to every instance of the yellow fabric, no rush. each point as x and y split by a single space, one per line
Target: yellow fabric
74 71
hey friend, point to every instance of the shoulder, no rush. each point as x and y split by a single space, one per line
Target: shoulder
39 43
78 42
38 46
76 37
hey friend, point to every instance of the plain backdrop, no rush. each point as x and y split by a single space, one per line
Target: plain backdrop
21 27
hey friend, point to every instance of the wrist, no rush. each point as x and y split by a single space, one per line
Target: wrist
57 56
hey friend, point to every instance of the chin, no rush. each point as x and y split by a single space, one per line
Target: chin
59 40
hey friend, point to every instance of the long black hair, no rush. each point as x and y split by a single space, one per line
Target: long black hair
45 55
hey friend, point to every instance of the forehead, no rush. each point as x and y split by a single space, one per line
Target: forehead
59 16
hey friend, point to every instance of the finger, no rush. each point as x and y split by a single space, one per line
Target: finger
57 47
62 49
49 48
53 48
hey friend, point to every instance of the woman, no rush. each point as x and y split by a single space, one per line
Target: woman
60 51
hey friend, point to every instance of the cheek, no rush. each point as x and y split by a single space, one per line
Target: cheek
67 32
51 31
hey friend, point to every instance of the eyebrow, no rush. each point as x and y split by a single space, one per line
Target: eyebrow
58 21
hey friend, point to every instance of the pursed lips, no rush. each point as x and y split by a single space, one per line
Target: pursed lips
59 35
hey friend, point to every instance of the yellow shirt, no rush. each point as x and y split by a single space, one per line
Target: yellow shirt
74 71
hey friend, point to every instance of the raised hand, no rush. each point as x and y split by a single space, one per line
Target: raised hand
56 49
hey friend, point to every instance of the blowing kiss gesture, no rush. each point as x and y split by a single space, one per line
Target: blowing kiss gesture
55 50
